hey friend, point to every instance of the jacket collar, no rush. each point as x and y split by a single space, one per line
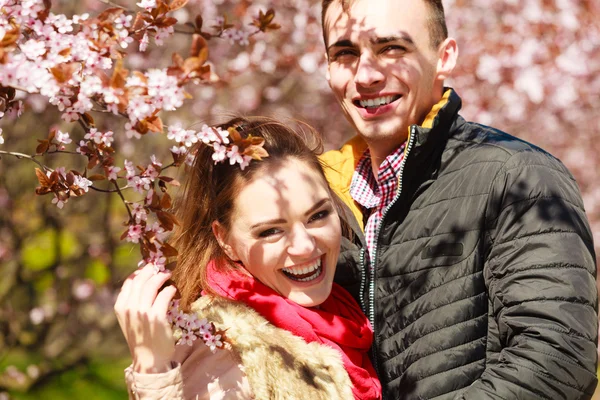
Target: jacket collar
429 139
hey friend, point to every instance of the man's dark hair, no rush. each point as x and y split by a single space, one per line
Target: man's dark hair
436 23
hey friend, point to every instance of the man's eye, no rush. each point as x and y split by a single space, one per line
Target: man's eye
269 232
320 215
393 49
345 53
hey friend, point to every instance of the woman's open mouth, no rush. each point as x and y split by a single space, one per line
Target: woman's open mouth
304 274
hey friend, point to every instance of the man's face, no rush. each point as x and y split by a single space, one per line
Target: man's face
382 67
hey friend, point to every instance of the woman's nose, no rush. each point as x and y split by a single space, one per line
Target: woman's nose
302 242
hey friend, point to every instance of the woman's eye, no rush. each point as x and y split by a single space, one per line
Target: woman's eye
320 215
269 232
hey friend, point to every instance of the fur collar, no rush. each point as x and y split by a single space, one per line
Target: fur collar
278 364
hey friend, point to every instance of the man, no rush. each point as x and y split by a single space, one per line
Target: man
476 267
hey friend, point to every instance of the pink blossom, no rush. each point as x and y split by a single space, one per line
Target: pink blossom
220 153
178 150
214 342
62 137
234 155
59 203
147 4
144 41
112 172
139 184
187 338
82 183
129 168
131 132
134 233
161 34
139 213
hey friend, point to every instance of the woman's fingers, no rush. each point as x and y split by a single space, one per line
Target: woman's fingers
139 281
163 300
150 289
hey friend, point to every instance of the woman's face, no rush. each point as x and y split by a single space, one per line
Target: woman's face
286 232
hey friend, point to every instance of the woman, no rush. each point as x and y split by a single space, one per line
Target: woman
262 244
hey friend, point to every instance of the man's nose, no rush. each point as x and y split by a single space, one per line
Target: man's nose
302 243
368 71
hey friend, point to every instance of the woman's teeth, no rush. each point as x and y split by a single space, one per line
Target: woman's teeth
305 274
379 101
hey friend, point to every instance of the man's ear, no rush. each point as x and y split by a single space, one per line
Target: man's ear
448 54
221 235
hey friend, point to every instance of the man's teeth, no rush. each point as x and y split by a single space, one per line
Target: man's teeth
377 102
304 274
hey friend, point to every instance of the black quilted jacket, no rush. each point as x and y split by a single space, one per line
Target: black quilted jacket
483 284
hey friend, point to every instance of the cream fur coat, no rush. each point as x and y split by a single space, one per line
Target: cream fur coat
264 362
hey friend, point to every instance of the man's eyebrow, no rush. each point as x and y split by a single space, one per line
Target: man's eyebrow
342 43
388 39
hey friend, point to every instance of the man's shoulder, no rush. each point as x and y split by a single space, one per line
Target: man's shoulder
482 143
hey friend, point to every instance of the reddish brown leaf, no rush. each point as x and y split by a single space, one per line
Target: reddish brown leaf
155 203
234 134
165 219
264 21
168 250
88 119
169 180
42 190
63 72
256 152
177 4
52 134
154 124
124 235
165 201
42 178
110 13
119 76
93 162
42 147
97 177
198 44
177 59
198 20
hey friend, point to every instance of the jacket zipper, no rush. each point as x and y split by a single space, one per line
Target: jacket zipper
372 269
363 280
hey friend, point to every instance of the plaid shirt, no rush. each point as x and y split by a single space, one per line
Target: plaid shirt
375 195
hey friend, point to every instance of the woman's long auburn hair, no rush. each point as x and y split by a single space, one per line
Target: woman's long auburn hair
209 194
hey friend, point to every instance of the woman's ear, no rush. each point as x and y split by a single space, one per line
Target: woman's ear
221 235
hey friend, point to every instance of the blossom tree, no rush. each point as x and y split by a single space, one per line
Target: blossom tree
100 102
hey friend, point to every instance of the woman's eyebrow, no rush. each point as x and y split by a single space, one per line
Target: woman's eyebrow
317 205
269 222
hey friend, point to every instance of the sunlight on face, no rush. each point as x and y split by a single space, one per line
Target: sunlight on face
286 232
382 67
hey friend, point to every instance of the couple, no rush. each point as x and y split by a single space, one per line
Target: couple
468 250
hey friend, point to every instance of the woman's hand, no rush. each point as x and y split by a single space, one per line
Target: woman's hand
142 314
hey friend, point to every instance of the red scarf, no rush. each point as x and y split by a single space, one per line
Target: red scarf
338 323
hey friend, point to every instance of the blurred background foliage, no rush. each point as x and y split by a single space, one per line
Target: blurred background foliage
529 67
